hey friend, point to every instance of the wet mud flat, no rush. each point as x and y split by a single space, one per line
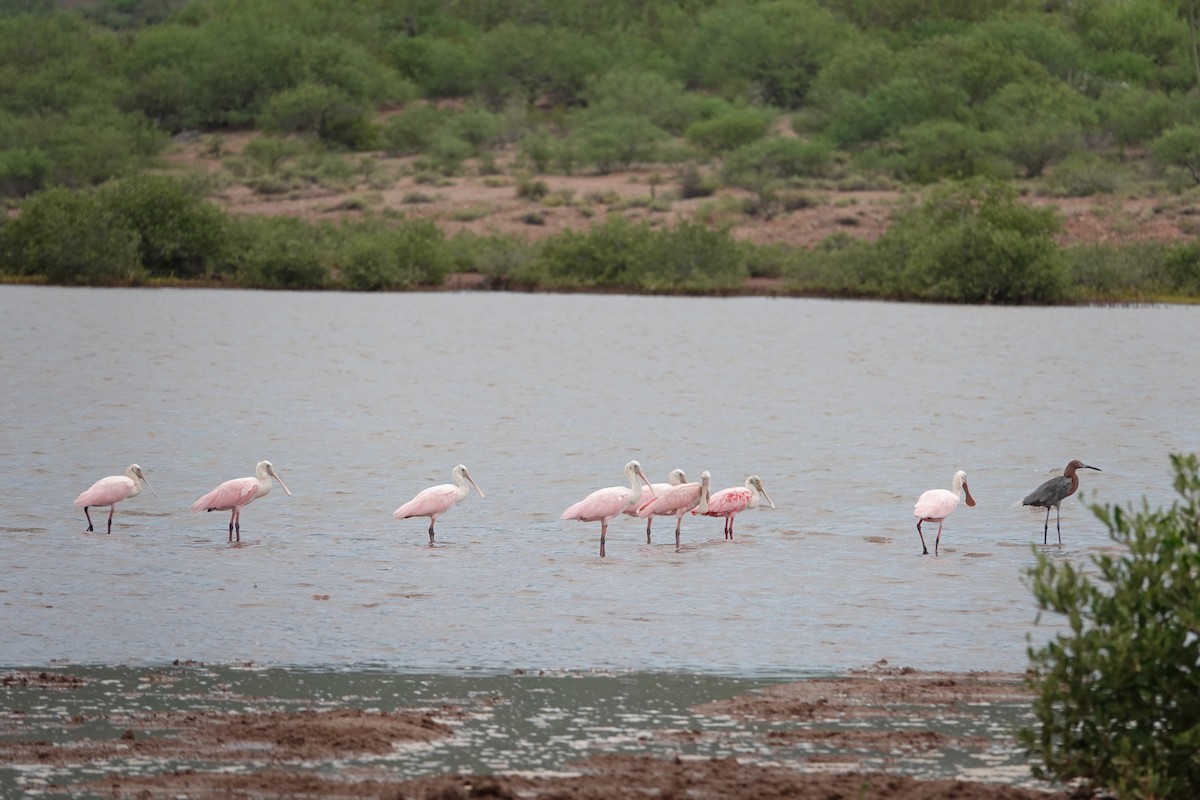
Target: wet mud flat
199 731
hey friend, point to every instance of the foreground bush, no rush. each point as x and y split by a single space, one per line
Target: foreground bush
1118 697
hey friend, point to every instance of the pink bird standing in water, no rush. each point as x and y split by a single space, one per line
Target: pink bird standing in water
728 503
678 500
604 504
937 504
438 499
235 494
112 490
675 478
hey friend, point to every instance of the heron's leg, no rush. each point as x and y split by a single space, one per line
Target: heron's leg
924 549
1057 520
1046 527
89 517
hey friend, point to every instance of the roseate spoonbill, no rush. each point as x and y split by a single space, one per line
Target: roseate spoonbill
1053 492
112 490
604 504
675 478
438 499
728 503
679 500
235 494
937 504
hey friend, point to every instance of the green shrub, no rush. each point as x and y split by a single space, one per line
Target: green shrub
1118 696
268 152
975 242
404 256
411 131
1085 174
1180 147
607 255
70 237
275 253
537 150
937 149
1120 272
616 142
694 183
476 126
495 257
180 234
24 170
691 258
324 112
642 93
730 131
775 158
1181 267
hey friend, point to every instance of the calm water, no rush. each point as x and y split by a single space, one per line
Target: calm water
847 410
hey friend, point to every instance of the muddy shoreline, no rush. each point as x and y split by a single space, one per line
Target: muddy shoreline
199 732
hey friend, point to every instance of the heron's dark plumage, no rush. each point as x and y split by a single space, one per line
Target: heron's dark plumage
1050 493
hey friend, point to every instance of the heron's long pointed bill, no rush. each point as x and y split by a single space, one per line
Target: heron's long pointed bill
970 500
1085 466
472 480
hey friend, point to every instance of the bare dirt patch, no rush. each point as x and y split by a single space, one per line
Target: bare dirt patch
491 204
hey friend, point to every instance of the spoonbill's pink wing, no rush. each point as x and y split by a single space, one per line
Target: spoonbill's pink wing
670 501
428 502
935 504
600 504
729 501
106 491
648 498
230 494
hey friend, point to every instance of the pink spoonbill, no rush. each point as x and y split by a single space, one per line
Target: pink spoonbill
675 478
235 494
438 499
728 503
679 500
604 504
112 490
937 504
1049 494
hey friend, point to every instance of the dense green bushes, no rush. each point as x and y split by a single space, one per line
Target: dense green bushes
920 91
1118 695
971 242
779 97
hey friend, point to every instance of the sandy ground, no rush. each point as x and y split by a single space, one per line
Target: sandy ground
254 753
490 205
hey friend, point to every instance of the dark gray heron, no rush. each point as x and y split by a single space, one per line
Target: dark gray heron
1051 494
